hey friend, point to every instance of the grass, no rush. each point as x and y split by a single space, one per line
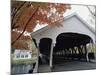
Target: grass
94 48
23 61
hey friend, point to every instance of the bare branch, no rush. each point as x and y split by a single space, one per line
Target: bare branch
16 14
91 11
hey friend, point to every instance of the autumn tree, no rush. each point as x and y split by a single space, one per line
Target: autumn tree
26 15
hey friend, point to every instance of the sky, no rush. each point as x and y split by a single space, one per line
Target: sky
81 10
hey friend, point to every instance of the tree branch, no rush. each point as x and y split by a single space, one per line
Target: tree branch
91 11
25 26
15 15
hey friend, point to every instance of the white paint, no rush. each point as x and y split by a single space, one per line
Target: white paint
51 56
22 54
38 27
72 24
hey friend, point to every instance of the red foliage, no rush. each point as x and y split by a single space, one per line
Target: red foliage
22 12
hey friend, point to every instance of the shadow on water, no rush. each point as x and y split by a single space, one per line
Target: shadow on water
22 68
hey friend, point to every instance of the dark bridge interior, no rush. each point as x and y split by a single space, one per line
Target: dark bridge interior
65 46
69 46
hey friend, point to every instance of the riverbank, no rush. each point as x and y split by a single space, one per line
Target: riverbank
23 61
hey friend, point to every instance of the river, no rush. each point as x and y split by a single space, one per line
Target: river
21 68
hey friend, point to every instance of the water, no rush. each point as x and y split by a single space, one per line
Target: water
21 68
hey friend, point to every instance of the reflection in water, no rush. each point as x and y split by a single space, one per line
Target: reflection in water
21 68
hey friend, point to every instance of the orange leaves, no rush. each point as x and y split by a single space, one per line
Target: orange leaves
16 33
29 14
55 10
21 42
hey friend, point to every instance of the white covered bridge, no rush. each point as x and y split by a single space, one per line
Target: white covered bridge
72 23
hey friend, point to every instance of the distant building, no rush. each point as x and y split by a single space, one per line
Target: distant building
22 54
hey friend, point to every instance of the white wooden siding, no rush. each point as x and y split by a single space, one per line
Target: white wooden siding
72 24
